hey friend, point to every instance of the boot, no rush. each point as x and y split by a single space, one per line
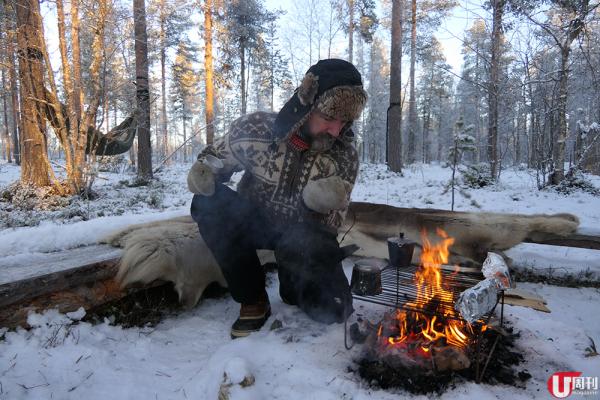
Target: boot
252 317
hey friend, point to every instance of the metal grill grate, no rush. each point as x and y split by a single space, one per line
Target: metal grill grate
400 291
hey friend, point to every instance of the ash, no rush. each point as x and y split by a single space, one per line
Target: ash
386 373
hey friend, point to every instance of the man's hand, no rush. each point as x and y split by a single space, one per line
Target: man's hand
201 178
326 194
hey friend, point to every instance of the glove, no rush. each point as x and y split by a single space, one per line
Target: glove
201 178
326 194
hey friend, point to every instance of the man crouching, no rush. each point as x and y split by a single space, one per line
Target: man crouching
299 169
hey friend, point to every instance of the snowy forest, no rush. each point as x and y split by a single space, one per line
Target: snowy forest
524 92
464 241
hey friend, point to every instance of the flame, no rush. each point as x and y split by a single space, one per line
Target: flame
417 331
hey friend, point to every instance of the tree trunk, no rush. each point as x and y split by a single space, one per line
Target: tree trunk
35 167
185 143
394 113
440 136
142 93
243 75
77 137
14 96
498 8
412 101
520 131
77 95
350 29
12 78
163 61
209 73
426 149
560 137
558 151
62 133
74 134
6 151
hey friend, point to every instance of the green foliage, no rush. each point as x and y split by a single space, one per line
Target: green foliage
368 21
576 182
244 23
186 81
463 142
168 22
476 176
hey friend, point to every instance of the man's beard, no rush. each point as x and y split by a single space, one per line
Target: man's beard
318 142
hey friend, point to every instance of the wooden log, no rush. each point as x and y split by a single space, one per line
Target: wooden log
65 280
580 240
66 300
69 279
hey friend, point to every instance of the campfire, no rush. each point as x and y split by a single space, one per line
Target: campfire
423 336
426 333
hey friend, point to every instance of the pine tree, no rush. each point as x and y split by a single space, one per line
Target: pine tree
378 90
10 30
35 167
493 86
394 113
427 15
244 22
168 22
184 90
209 83
144 161
472 87
463 142
435 87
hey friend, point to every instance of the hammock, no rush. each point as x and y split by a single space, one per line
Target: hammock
117 141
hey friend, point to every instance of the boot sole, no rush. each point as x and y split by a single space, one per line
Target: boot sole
236 333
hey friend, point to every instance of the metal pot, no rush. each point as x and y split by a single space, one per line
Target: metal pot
401 251
366 278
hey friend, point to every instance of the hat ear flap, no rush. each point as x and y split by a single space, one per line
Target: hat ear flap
308 89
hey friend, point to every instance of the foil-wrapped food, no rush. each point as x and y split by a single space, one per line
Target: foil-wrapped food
475 302
494 267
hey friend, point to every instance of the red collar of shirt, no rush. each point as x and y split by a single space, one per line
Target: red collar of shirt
297 143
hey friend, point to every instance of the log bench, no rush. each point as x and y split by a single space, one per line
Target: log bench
84 277
66 280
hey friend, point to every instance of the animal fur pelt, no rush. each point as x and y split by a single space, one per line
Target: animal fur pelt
475 233
172 250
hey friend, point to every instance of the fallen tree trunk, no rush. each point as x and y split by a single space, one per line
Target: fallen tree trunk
84 277
65 280
580 240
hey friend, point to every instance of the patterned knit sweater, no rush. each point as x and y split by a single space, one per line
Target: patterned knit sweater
277 170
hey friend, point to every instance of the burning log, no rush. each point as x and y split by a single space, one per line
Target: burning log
450 358
425 342
451 363
393 346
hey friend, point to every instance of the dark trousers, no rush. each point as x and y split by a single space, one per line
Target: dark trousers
308 255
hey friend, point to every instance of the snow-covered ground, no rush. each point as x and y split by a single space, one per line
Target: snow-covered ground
186 355
84 222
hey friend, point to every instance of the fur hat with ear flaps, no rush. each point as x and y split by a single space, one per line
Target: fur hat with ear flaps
332 86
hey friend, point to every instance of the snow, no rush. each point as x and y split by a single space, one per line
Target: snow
190 355
187 355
